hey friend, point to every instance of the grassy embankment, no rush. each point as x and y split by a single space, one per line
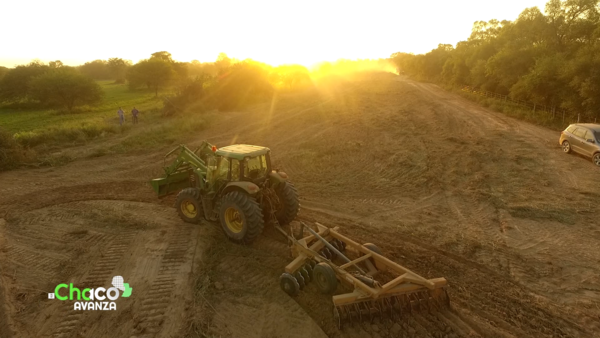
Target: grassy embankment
511 109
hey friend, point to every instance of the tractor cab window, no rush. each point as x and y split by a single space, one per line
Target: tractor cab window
255 167
222 169
235 170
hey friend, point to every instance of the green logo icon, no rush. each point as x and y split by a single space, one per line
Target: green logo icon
127 291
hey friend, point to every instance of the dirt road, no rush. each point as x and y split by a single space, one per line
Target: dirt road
441 185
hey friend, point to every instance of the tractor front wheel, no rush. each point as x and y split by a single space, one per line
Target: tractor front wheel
290 204
241 217
188 205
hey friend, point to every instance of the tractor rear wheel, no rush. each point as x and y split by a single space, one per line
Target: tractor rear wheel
241 217
189 206
290 204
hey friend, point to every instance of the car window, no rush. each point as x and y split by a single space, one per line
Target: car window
597 136
579 132
571 129
589 135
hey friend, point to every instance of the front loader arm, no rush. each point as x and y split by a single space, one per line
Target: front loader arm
177 173
186 156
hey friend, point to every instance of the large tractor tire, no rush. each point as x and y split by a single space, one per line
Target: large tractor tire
241 217
290 204
189 206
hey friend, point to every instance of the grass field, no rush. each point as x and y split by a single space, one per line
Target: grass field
115 95
50 133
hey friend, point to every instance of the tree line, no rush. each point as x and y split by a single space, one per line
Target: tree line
224 84
52 84
550 58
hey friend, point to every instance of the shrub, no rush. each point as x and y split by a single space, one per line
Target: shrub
12 154
65 134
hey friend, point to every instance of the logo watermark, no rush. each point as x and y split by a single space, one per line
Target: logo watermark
93 299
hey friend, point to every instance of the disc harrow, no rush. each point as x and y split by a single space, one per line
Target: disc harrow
370 285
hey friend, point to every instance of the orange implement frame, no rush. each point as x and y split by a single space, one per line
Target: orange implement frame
404 282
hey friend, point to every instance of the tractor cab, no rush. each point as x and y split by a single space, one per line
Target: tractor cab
240 162
234 185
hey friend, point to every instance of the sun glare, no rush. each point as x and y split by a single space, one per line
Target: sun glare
268 31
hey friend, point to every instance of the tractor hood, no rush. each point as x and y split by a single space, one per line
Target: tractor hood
239 151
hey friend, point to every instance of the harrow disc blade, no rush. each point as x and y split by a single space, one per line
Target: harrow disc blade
395 307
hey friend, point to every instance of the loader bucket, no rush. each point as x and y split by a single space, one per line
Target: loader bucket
172 183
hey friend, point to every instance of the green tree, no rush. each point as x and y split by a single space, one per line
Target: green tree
290 77
244 83
3 71
16 84
181 74
223 63
118 69
543 84
97 70
155 73
164 56
65 88
55 64
197 69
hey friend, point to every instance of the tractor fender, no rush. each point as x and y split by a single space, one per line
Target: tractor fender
249 187
277 177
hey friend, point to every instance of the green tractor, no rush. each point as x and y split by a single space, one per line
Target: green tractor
234 185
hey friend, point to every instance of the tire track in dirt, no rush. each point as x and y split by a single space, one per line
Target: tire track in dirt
156 302
88 242
100 275
247 301
26 258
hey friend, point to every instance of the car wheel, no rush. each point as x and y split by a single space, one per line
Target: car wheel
596 159
566 147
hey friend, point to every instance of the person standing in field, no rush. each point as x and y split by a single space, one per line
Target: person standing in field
134 114
121 116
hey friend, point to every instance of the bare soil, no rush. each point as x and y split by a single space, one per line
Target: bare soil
441 185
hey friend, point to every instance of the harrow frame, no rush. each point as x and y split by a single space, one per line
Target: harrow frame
402 287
